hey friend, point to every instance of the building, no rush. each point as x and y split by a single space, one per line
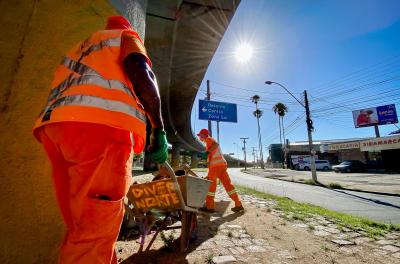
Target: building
377 153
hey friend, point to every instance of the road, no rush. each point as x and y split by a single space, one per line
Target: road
373 182
375 207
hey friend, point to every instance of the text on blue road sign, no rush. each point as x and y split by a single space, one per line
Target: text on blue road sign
217 111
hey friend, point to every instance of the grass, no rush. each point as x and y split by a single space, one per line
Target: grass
335 185
310 182
301 211
209 259
168 241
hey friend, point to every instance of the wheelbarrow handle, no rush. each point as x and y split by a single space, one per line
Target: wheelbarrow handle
177 187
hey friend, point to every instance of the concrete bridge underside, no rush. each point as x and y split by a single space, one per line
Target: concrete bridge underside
181 38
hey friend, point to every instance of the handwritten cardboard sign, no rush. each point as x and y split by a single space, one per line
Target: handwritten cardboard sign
158 194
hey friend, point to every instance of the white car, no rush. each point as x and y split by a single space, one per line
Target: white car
319 164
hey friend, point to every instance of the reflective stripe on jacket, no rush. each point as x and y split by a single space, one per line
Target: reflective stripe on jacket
90 85
215 158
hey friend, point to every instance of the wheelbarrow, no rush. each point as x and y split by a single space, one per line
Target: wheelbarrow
176 198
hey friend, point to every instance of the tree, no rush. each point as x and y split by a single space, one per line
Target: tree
258 113
280 109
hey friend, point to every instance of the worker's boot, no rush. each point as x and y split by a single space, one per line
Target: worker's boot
237 209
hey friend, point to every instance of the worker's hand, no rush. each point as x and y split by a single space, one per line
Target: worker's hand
205 155
158 147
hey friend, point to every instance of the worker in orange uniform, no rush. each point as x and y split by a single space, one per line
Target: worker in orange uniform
94 119
217 169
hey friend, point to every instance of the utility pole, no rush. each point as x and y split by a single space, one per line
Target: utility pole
244 150
254 157
310 128
209 98
377 131
218 131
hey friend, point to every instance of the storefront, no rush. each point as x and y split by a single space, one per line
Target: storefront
383 152
378 153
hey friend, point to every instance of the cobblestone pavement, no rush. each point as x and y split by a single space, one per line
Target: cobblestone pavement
266 235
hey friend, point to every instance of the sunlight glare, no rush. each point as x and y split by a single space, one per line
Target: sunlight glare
244 52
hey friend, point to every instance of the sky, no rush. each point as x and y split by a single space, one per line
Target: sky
345 53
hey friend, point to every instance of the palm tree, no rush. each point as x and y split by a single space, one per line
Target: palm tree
281 109
258 113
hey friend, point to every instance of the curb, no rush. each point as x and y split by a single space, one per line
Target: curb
327 187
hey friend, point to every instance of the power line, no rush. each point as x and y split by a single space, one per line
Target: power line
363 71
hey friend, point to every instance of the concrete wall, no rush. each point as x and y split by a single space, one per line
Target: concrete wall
34 36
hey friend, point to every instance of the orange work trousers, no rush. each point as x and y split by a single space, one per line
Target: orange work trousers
221 173
91 169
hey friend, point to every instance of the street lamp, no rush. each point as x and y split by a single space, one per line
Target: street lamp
310 127
258 113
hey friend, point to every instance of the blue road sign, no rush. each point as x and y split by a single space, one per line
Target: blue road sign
217 111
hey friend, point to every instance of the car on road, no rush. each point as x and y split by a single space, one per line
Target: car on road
350 166
319 164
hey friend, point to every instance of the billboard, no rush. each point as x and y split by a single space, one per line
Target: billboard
381 115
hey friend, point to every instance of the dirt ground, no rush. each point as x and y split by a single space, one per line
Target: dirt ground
263 235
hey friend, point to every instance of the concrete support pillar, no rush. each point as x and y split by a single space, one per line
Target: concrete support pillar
176 155
135 12
195 160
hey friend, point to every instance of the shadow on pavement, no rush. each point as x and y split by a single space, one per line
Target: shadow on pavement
367 199
208 225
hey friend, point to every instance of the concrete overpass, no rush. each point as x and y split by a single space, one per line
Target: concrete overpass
181 38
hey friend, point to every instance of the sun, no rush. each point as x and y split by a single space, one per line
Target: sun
244 52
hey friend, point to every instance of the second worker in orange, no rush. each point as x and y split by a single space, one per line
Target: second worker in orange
217 169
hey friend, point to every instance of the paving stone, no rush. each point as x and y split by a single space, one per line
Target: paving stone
353 234
218 251
340 236
237 250
260 242
362 240
379 252
341 242
324 222
223 259
321 233
391 248
309 219
332 230
396 255
391 236
255 249
206 245
245 236
346 250
198 254
220 237
225 243
301 225
320 227
234 226
385 242
286 254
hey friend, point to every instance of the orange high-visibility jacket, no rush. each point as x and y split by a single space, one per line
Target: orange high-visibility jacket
215 157
90 85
